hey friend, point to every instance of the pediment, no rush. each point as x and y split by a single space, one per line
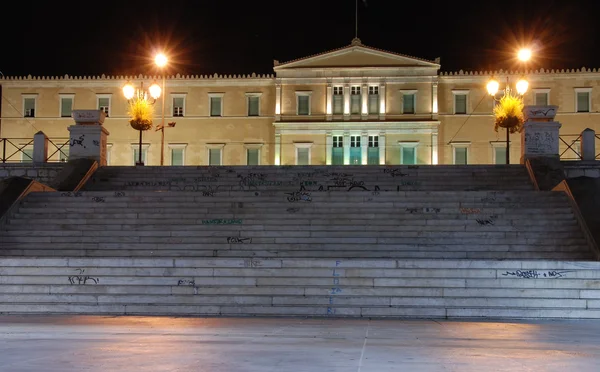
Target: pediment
355 56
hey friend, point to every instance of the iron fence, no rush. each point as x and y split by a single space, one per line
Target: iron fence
16 150
57 146
572 151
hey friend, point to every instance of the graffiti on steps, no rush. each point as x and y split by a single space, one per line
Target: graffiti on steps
535 274
470 210
412 210
487 221
409 183
490 198
119 194
293 210
238 240
81 279
252 263
431 210
98 199
186 282
335 289
72 194
359 184
222 221
298 196
394 172
148 183
96 143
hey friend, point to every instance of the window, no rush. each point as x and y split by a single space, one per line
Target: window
303 153
136 154
66 105
500 153
460 103
253 104
214 156
177 154
302 103
216 104
108 153
337 153
374 99
541 97
583 100
355 99
26 154
460 153
63 154
29 103
178 106
252 156
408 153
104 103
338 100
408 103
355 150
373 150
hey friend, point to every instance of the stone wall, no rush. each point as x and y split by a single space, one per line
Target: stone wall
582 169
43 173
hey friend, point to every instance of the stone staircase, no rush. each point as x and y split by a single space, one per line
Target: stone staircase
438 241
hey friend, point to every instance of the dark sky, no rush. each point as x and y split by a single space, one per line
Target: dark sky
223 36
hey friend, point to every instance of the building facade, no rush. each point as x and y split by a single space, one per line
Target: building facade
352 105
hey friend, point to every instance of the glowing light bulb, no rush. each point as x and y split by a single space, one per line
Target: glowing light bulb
492 87
161 60
155 91
128 91
522 86
524 54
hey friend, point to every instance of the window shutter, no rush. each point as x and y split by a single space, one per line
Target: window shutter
303 156
66 107
252 156
541 99
583 101
176 156
215 106
253 106
214 156
303 105
409 104
460 103
460 155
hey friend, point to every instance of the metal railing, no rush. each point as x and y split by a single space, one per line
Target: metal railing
12 150
57 146
570 153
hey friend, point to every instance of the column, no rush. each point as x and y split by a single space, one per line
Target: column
40 147
278 102
434 148
277 148
365 101
346 101
364 147
382 148
588 145
329 101
381 101
328 147
434 99
346 148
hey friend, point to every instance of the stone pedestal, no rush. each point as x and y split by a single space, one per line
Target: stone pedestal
88 137
588 145
40 147
539 138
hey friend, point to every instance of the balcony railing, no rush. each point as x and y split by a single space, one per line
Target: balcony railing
13 150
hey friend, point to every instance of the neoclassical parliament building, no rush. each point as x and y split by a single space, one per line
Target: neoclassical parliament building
352 105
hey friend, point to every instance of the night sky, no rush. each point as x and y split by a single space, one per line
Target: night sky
227 37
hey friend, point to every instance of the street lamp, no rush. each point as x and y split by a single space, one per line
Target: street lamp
161 61
141 109
493 86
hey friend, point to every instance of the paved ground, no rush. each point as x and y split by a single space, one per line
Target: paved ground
140 344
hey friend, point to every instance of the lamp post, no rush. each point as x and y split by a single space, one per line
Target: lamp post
522 85
161 61
140 109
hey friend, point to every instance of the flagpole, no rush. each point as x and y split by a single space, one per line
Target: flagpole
356 21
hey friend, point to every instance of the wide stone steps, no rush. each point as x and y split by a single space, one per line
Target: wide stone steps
210 179
463 224
299 287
